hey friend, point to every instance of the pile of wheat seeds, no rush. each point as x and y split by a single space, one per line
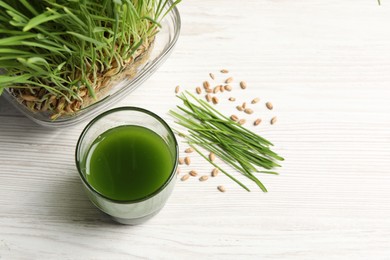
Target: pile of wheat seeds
210 90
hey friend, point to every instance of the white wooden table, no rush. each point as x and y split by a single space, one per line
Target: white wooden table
326 67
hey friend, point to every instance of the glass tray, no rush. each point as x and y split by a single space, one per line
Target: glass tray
163 44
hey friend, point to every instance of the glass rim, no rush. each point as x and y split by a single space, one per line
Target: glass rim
108 112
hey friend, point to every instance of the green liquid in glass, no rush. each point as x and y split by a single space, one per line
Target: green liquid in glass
128 163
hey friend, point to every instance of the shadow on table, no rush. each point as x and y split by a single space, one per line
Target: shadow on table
68 202
14 117
8 108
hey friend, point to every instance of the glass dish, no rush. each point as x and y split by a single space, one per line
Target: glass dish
163 45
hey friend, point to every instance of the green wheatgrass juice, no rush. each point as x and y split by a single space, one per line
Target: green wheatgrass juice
128 163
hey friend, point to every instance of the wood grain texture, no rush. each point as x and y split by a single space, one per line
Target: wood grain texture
324 65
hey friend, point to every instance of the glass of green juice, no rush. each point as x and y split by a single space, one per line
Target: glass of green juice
127 160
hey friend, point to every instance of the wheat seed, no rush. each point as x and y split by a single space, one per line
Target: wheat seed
229 80
177 89
212 156
242 121
215 100
221 188
269 105
234 118
198 90
232 99
228 88
273 120
243 84
206 84
181 161
244 105
255 100
204 178
212 76
239 108
216 89
193 173
248 111
185 177
214 172
208 97
224 71
257 122
189 150
187 160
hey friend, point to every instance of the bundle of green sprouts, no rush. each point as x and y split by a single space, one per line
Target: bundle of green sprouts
237 146
56 55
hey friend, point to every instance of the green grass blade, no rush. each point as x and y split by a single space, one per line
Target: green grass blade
40 19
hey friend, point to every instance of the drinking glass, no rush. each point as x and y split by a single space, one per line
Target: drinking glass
132 211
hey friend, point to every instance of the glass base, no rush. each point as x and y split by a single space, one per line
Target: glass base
135 221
